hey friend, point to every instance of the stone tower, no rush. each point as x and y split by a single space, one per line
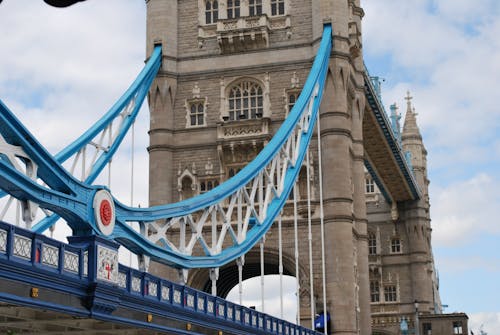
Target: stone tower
231 71
403 280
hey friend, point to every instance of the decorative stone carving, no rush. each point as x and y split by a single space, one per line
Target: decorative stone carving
107 264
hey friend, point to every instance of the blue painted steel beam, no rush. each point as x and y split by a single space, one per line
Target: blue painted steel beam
123 302
396 150
136 243
137 90
73 208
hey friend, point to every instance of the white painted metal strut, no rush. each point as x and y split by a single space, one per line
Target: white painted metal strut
243 208
322 226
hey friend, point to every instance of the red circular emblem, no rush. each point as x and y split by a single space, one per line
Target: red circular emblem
105 212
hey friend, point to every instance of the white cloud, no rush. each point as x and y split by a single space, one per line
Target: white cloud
272 304
464 210
449 58
67 66
62 69
466 264
489 322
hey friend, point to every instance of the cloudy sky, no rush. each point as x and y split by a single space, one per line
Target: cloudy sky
61 69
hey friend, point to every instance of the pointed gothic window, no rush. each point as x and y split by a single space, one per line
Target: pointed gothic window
187 188
211 11
255 7
245 101
277 7
292 99
233 9
197 114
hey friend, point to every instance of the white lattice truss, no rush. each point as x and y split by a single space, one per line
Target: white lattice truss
248 205
10 208
82 163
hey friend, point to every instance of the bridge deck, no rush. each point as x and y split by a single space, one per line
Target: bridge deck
384 156
53 287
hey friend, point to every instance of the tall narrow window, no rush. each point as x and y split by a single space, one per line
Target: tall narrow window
292 99
369 185
372 244
196 114
277 7
245 101
233 9
255 7
187 188
374 291
211 11
390 294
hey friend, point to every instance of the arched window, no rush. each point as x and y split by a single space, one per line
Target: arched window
187 187
255 7
196 114
245 101
211 11
292 99
233 9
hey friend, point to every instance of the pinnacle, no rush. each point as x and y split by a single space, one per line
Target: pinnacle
410 128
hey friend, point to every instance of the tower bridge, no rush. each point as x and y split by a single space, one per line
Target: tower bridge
270 153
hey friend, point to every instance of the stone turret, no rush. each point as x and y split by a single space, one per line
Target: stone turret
417 216
412 143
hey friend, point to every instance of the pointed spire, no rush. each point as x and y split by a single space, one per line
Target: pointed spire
410 128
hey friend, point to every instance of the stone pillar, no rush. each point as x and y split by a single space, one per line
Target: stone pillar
336 146
363 283
336 143
360 215
162 28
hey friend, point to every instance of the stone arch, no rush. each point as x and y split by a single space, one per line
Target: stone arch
186 184
228 274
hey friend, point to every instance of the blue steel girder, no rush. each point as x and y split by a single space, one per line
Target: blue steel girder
129 103
30 277
93 209
384 157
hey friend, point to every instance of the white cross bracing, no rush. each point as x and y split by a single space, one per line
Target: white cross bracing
81 165
10 207
227 222
84 160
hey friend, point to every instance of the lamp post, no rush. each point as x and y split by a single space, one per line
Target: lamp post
417 326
